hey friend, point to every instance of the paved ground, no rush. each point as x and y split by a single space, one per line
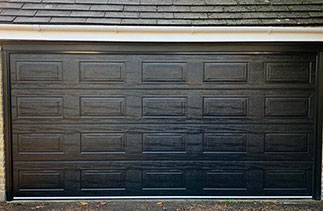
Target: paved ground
156 205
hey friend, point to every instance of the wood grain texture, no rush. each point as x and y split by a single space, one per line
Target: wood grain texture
162 124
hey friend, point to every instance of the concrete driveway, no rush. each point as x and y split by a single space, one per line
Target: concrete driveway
161 205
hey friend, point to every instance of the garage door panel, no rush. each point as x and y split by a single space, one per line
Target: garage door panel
103 180
218 143
288 107
102 107
102 72
161 71
69 106
163 123
46 143
164 72
291 181
39 107
124 178
164 107
225 72
289 72
218 107
39 71
41 180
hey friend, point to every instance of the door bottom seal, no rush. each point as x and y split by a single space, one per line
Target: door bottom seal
158 197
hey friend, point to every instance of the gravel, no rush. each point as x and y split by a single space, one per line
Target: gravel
161 205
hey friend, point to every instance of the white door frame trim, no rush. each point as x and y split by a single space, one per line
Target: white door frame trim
158 197
158 33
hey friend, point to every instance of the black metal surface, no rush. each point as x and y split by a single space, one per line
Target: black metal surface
317 182
163 124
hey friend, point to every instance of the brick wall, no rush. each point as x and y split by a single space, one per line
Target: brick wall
2 162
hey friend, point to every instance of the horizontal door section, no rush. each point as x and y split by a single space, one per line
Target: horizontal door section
163 142
171 178
162 71
162 106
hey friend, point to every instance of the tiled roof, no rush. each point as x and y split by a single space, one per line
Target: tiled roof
164 12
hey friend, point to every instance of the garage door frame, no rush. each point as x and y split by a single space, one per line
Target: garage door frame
103 48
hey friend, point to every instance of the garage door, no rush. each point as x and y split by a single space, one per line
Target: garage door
162 123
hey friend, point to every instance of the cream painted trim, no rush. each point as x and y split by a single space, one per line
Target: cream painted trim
159 33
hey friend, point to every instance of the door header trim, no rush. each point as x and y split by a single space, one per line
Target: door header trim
158 33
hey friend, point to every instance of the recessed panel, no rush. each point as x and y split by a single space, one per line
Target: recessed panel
225 72
224 180
225 107
288 72
224 142
102 143
102 72
40 143
103 106
285 179
40 107
287 107
286 142
164 72
164 107
41 180
39 71
164 142
103 180
163 180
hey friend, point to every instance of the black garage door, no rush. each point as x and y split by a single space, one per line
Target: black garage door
162 123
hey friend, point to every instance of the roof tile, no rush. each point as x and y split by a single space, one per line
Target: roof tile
189 2
31 20
50 13
122 14
68 20
164 12
10 5
4 18
174 8
107 7
139 21
24 1
59 1
15 12
87 14
73 6
207 8
190 15
253 15
39 6
91 1
103 20
156 2
174 22
124 2
156 15
141 8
